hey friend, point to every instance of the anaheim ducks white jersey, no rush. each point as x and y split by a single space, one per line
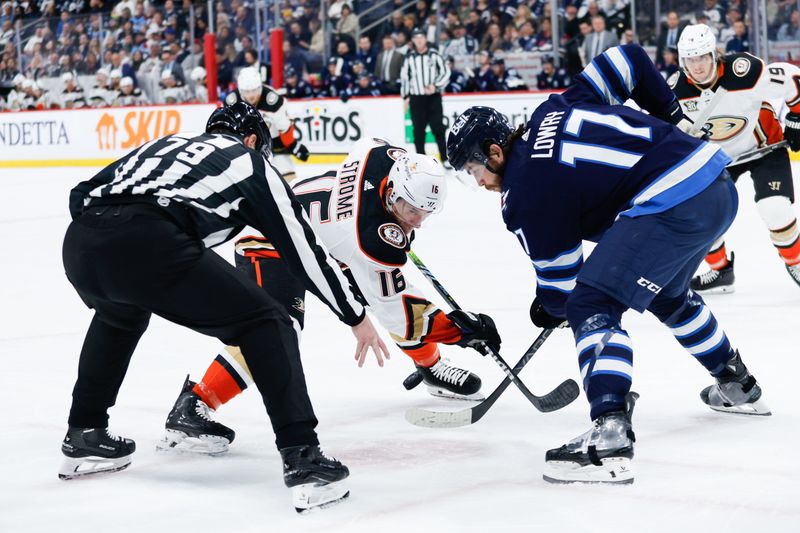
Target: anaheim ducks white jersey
744 119
347 210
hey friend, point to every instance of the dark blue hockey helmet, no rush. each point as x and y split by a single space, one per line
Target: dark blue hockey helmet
241 119
472 133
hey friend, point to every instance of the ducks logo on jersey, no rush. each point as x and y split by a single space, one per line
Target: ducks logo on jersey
392 234
724 128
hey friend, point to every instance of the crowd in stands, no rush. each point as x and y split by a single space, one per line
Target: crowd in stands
74 53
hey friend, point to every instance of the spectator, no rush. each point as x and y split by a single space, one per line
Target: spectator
347 26
484 78
526 40
550 77
334 82
129 95
394 25
401 40
366 53
740 41
505 79
365 86
115 76
790 31
171 92
343 52
715 14
462 43
598 41
194 58
198 76
475 25
669 36
627 37
72 94
17 94
335 10
388 65
570 24
669 62
493 39
224 70
169 64
317 45
544 39
247 46
459 81
295 86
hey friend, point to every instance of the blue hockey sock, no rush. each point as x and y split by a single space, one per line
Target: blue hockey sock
605 357
697 330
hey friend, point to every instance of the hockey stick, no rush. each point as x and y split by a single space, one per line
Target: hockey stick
559 397
757 153
453 419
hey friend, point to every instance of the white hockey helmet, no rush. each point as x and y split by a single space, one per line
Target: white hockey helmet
696 40
419 180
248 80
198 73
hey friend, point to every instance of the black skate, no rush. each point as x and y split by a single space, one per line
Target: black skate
736 392
316 480
601 455
794 271
189 427
446 381
715 281
91 451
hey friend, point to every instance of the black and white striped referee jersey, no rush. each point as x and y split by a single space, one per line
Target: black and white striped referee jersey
421 70
224 187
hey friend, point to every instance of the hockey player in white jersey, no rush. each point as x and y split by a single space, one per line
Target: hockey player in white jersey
742 122
273 108
365 213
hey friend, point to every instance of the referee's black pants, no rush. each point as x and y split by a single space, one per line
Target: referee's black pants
129 261
427 110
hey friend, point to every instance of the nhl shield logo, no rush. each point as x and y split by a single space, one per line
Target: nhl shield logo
393 235
395 153
741 66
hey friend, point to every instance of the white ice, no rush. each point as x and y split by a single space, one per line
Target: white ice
696 470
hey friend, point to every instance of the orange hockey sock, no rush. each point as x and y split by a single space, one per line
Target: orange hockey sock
718 259
425 356
220 383
787 242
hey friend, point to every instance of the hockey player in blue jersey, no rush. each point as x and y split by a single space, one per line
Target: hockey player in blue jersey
652 197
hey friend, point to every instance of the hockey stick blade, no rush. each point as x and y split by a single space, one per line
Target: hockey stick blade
559 397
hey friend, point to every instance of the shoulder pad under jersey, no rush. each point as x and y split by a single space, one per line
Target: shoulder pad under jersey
379 235
741 71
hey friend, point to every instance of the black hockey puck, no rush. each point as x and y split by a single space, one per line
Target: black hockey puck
413 379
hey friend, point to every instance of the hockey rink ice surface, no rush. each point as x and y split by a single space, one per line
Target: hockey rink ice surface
696 470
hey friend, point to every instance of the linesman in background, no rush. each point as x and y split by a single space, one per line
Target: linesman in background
422 79
139 244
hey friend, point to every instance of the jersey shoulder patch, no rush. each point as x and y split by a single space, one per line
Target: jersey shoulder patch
270 101
680 85
393 235
672 81
742 71
232 98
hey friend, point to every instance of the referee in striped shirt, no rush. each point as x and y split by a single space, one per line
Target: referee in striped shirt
423 77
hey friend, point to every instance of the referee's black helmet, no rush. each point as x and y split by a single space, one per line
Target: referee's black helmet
241 119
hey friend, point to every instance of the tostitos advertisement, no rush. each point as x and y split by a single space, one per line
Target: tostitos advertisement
328 127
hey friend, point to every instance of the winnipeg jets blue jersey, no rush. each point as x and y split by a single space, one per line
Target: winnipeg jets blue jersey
585 160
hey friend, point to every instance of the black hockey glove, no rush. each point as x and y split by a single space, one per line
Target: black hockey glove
542 319
476 329
298 150
791 132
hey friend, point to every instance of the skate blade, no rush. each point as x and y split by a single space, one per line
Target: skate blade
311 496
757 408
439 392
179 442
726 289
613 471
90 466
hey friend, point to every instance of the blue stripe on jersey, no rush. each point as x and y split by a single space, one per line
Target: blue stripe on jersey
561 272
681 182
567 259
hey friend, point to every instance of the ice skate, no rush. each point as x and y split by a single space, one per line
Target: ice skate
601 455
736 392
190 429
92 451
444 380
794 271
316 480
715 281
